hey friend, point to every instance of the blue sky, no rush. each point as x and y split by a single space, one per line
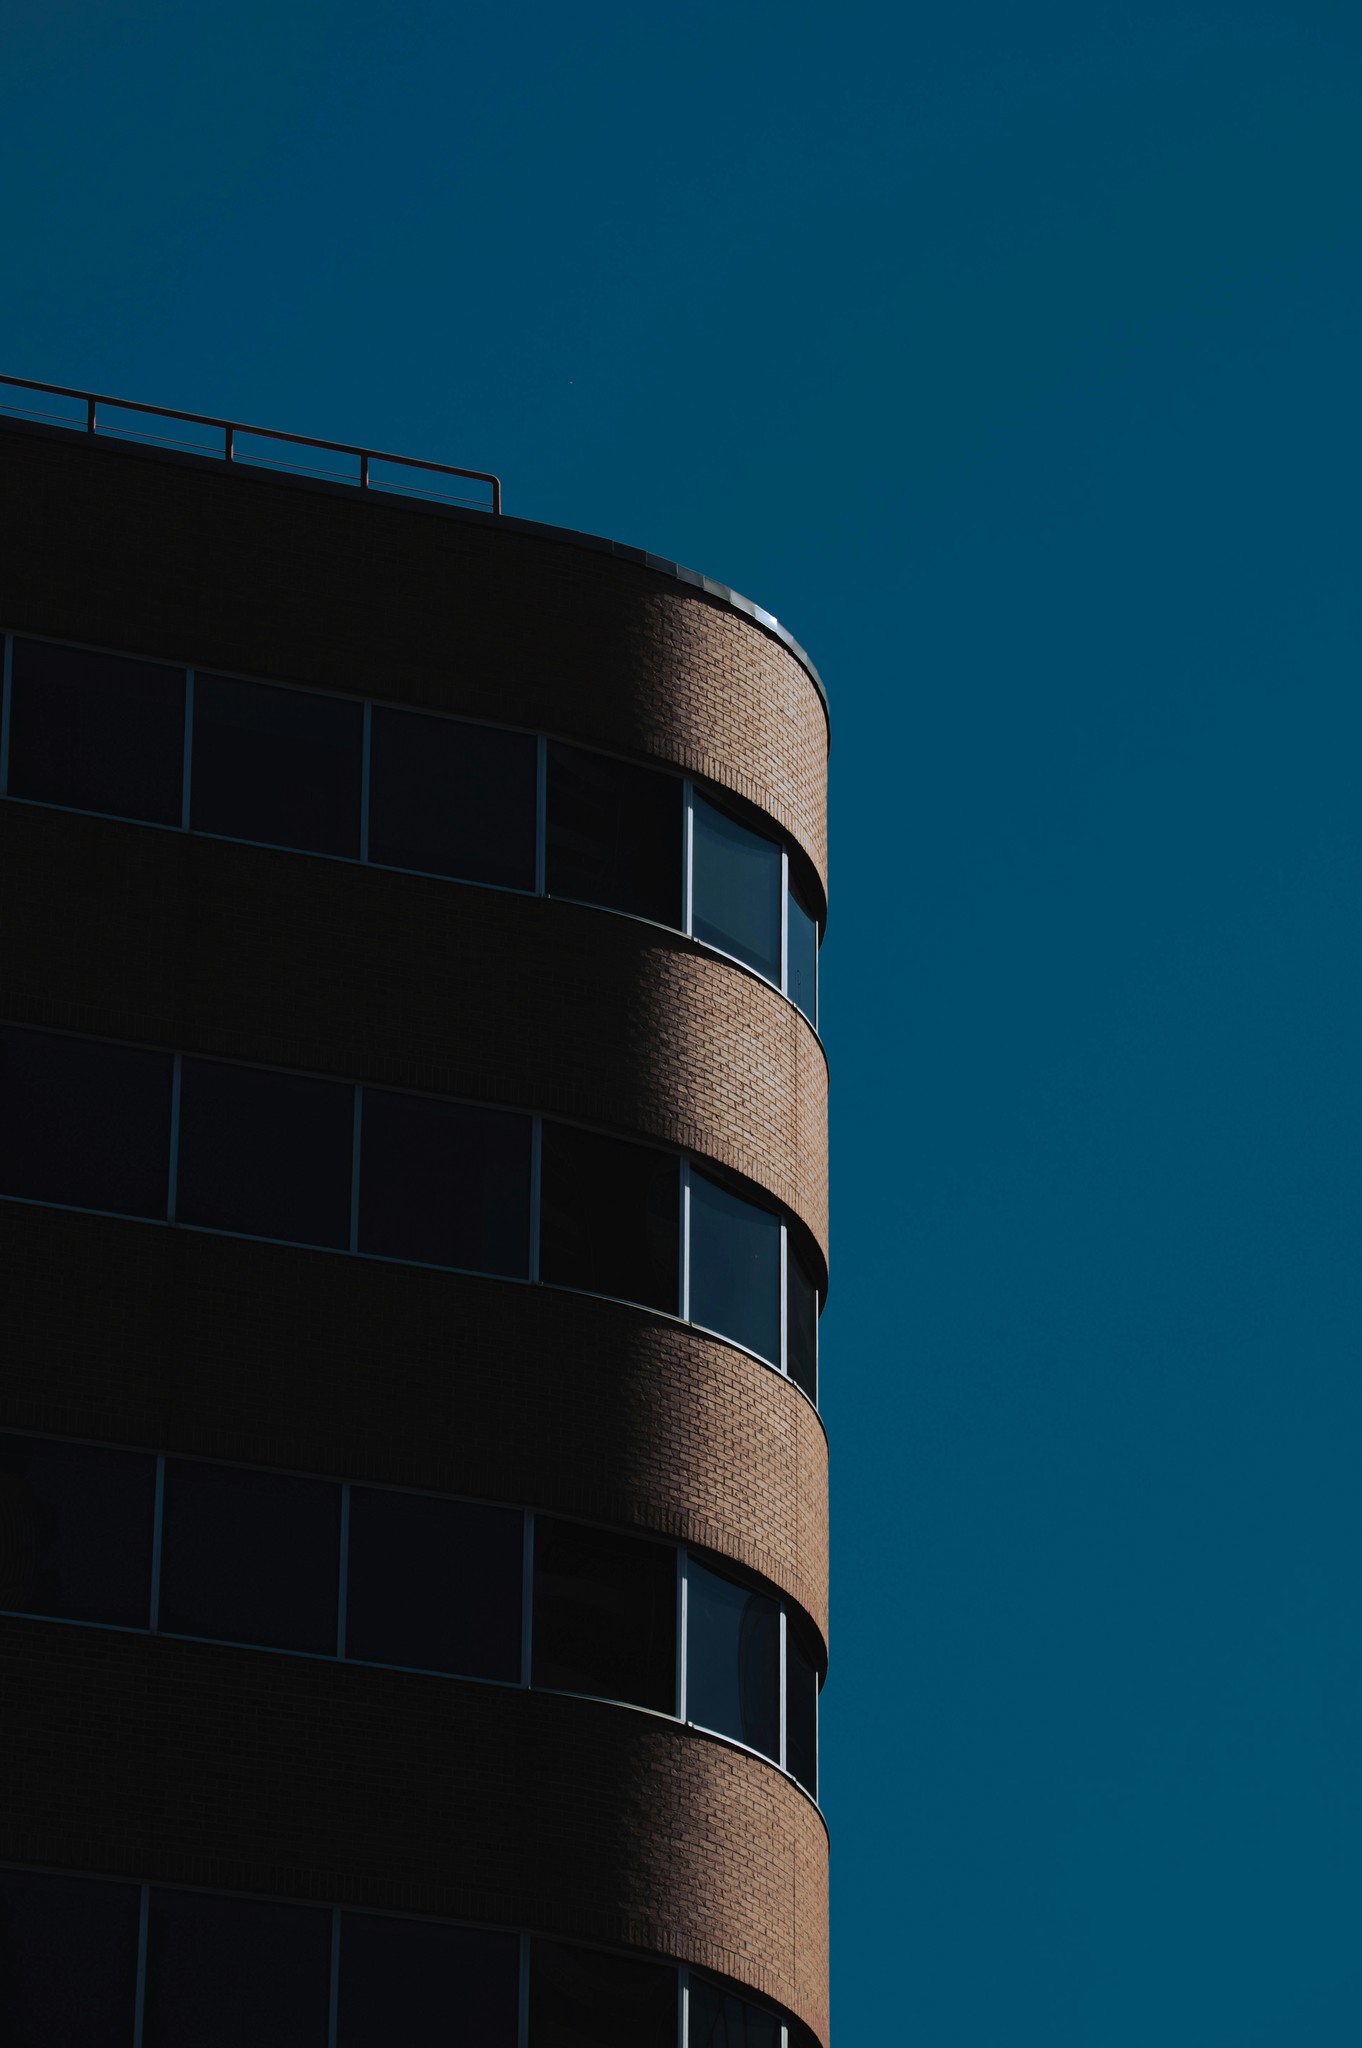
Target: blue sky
1009 354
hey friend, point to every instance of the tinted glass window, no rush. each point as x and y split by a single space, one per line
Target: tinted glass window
445 1183
236 1973
614 834
801 966
609 1217
604 1614
68 1962
579 1999
801 1714
268 1154
732 1659
280 766
84 1123
719 2019
452 799
434 1584
735 889
250 1557
734 1267
97 732
414 1984
75 1530
801 1334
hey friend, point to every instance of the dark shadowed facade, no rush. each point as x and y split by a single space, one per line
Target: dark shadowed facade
413 1199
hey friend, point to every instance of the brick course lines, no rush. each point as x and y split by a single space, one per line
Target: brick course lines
266 1354
206 946
196 1764
238 570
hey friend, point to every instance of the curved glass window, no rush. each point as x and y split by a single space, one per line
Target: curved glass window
68 1961
732 1659
84 1123
448 798
198 1990
801 954
265 1153
801 1712
249 1557
96 732
734 1266
801 1339
613 834
418 1983
446 1183
580 1998
279 766
735 889
77 1522
719 2018
609 1217
604 1614
433 1584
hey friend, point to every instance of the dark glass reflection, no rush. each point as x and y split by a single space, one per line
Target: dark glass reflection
445 1183
434 1584
236 1973
720 2019
801 1713
452 799
416 1984
579 1999
264 1153
97 732
801 1329
280 766
84 1123
604 1614
250 1557
68 1962
614 834
801 955
734 1267
735 889
609 1217
732 1660
75 1530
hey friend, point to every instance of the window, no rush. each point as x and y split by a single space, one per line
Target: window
68 1962
801 1712
801 1330
77 1522
614 834
604 1614
415 1983
452 799
280 766
579 1999
720 2019
264 1153
250 1557
735 889
96 732
734 1267
434 1584
609 1217
801 962
444 1183
84 1123
732 1659
226 1972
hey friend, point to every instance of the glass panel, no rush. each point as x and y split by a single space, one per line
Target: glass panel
732 1660
801 966
269 1154
96 732
236 1973
735 885
720 2019
614 834
416 1984
445 1183
434 1584
452 799
801 1713
84 1123
734 1267
77 1523
801 1334
280 766
250 1557
604 1614
609 1217
68 1962
579 1999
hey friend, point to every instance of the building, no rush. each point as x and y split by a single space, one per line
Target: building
413 1547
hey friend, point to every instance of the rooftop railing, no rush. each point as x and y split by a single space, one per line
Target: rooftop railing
366 469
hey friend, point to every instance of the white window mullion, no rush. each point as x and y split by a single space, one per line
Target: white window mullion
784 1674
785 1298
688 857
681 1595
784 920
685 1240
682 2006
